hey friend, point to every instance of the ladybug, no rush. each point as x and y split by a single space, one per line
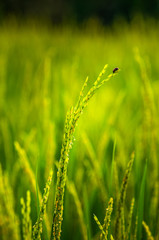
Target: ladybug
115 69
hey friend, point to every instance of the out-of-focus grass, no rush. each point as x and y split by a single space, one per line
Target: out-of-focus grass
41 73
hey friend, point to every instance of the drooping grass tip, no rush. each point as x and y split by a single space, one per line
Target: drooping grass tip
115 69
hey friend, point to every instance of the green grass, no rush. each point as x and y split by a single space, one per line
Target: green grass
41 73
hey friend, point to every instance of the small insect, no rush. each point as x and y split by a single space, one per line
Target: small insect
115 69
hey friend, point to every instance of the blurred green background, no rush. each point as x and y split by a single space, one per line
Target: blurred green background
42 69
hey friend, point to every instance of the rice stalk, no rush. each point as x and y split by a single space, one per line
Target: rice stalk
70 124
104 228
107 218
118 223
26 220
146 227
37 228
111 237
130 219
100 226
122 224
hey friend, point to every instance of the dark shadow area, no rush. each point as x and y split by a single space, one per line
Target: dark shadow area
77 11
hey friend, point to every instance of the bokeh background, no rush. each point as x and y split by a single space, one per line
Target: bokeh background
47 49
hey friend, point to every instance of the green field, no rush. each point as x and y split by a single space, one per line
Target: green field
42 71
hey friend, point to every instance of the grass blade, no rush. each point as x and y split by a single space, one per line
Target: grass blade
112 167
37 190
141 204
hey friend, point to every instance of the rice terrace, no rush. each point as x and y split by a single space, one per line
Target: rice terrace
79 130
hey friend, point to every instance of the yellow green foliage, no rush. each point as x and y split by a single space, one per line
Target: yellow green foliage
42 69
